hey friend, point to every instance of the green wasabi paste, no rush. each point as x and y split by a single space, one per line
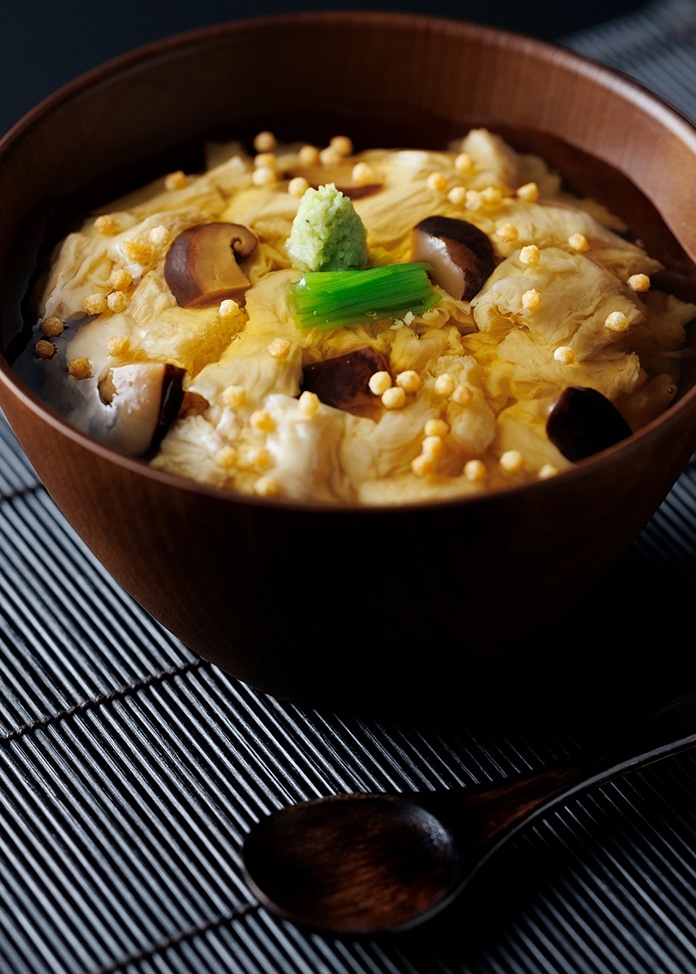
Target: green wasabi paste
327 234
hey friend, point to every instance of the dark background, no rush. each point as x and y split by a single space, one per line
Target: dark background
44 43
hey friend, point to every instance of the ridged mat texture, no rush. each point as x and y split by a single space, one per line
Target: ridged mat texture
130 769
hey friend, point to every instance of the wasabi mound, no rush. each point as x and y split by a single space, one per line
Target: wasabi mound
327 234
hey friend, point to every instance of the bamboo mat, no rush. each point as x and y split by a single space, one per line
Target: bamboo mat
130 769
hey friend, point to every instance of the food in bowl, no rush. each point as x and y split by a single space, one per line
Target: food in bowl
372 327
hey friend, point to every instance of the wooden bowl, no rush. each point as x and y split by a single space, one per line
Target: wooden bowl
325 604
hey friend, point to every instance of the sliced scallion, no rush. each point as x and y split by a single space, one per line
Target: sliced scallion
333 299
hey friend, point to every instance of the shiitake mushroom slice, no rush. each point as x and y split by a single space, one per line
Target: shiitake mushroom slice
342 381
202 266
583 422
460 254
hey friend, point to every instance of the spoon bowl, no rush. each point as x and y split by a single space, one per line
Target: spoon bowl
353 862
364 863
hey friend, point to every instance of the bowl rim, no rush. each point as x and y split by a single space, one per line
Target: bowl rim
608 76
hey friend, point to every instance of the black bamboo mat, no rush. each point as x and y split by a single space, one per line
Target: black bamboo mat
130 769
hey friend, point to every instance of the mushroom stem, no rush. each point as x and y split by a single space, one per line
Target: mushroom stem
145 398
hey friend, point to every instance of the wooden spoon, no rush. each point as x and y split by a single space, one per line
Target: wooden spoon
368 862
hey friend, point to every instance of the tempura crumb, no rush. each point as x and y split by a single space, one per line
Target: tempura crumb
432 447
444 385
464 163
437 181
267 486
616 321
393 398
409 380
436 427
342 144
363 174
45 349
120 279
95 304
52 326
578 242
474 200
176 180
308 155
423 465
639 282
330 156
530 255
475 471
279 348
308 404
264 176
492 196
564 354
511 461
80 368
228 308
379 382
265 141
259 458
462 395
234 396
507 233
138 251
298 186
261 419
529 192
227 457
118 345
531 300
265 160
116 301
106 225
159 236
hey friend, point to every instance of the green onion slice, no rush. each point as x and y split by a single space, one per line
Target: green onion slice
332 299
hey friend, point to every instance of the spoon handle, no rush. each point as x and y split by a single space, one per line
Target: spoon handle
490 814
669 729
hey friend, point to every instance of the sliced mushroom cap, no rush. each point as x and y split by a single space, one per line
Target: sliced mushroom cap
341 175
145 397
202 266
583 422
460 254
342 381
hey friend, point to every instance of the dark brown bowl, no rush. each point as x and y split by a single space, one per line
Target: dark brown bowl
325 604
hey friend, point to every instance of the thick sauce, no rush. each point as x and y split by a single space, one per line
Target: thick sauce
145 345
